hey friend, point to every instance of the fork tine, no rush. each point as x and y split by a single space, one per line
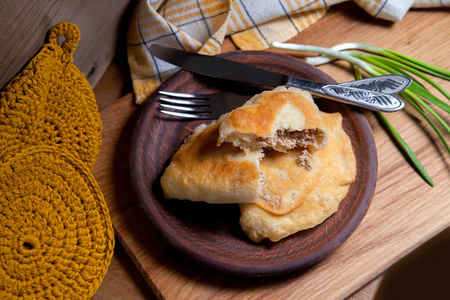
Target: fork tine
184 102
185 108
202 106
184 95
184 115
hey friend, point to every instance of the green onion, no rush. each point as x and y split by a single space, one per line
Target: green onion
329 52
406 148
377 61
413 62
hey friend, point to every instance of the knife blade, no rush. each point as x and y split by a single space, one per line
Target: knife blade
348 92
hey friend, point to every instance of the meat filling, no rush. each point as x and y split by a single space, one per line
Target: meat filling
291 139
310 139
304 159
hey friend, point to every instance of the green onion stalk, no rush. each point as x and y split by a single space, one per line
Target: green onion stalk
376 61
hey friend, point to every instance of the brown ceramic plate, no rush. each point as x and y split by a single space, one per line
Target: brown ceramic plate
211 234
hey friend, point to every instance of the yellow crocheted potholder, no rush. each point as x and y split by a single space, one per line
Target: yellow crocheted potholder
51 102
56 237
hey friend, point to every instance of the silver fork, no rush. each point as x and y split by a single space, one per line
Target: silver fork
200 106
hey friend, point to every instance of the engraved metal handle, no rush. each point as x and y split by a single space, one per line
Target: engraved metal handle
372 100
389 84
352 93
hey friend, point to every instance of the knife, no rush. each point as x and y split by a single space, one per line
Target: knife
353 92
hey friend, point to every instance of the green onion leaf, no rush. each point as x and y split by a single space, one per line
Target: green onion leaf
419 167
418 64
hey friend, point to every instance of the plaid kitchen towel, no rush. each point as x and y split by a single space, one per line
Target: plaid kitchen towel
201 26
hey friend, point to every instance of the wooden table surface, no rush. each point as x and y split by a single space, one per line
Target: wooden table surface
404 214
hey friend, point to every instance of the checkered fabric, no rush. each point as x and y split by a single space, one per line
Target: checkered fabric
201 26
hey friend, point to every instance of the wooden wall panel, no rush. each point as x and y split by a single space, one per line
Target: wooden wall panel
24 26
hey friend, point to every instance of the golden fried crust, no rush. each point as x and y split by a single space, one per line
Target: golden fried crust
322 188
270 113
201 171
286 182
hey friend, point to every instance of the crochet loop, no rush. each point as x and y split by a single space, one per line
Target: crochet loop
69 31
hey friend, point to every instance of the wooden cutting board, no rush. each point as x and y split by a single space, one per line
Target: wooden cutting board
399 219
405 211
